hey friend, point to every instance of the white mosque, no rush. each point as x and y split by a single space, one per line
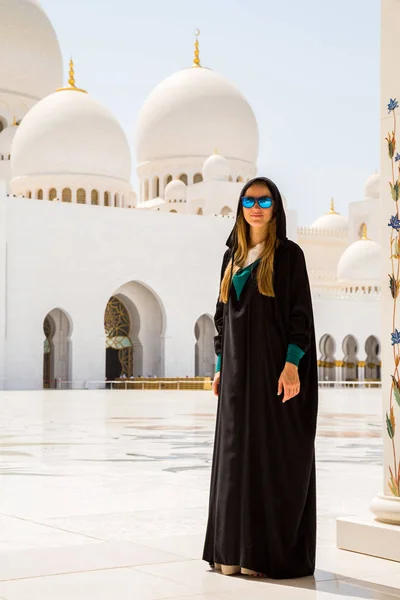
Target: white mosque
98 280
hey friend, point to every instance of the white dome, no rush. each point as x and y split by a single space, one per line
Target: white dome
360 263
175 190
70 133
216 168
371 187
7 138
192 112
31 62
331 220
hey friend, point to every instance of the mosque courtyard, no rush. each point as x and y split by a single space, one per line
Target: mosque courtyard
104 495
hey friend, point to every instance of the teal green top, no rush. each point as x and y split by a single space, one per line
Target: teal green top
294 353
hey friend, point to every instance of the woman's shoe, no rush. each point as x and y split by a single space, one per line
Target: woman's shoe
227 569
252 573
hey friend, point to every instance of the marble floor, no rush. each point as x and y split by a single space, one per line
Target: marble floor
103 495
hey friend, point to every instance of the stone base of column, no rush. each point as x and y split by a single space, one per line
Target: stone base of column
370 536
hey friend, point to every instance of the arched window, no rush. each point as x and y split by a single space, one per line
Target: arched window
200 211
240 178
66 195
156 187
40 195
174 211
81 196
106 198
95 197
198 178
146 190
184 178
52 194
167 180
116 200
29 194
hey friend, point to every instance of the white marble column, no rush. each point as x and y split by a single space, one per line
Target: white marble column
386 506
379 534
3 282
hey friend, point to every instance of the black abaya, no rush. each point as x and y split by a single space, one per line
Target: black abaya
262 513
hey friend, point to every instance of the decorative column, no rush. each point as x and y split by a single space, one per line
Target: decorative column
386 506
3 282
380 536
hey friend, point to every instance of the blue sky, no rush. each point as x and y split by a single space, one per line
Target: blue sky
309 69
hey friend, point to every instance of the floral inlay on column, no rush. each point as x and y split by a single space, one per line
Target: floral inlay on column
394 282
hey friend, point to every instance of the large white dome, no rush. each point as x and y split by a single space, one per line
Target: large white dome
360 263
31 62
70 133
192 112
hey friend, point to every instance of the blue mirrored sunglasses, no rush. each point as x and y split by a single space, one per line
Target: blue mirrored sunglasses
263 202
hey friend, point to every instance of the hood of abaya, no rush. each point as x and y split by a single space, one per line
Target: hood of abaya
231 242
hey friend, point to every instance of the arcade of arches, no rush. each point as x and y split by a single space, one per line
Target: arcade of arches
349 368
134 325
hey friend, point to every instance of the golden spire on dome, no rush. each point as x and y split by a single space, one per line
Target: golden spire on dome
196 58
364 232
71 81
332 210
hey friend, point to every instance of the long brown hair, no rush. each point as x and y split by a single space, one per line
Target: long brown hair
265 272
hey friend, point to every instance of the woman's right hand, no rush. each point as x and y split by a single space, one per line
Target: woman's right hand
216 383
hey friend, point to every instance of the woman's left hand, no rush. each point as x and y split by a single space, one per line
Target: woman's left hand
289 382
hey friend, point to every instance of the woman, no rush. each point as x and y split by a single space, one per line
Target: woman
262 513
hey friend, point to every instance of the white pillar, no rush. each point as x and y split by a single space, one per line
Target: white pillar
386 506
3 282
380 537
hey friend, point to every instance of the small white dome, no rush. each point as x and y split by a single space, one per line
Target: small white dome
371 187
31 62
190 113
175 190
70 133
7 138
360 263
216 168
331 220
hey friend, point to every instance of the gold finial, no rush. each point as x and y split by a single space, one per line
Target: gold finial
71 81
332 210
364 232
196 58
